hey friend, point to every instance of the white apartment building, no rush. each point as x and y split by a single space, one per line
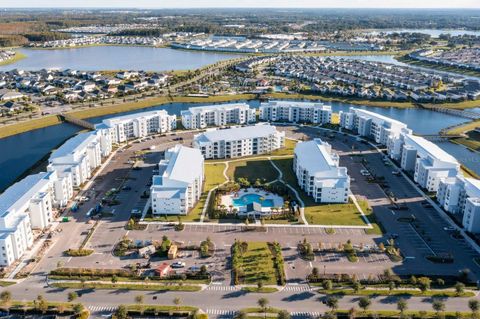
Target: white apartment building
461 195
25 205
318 173
80 155
137 125
296 112
218 115
429 162
239 141
371 124
178 185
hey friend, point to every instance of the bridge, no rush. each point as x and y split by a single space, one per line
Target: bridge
460 113
76 121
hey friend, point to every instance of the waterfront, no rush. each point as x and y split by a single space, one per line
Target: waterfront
24 150
98 58
434 33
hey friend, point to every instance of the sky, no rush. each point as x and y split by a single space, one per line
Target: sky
244 3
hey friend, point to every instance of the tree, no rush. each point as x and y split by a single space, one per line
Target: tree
413 280
121 312
315 272
364 303
72 296
114 279
438 305
241 315
424 283
177 302
391 286
283 314
459 288
327 285
260 285
5 297
263 303
332 302
356 286
402 305
474 305
78 308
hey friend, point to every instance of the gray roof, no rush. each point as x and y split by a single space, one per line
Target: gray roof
237 133
70 146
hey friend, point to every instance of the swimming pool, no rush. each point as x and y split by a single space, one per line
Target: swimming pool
246 199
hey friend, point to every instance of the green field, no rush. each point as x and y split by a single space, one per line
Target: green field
404 292
125 286
256 264
252 169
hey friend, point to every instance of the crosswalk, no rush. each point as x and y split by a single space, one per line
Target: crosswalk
220 312
305 314
298 288
102 309
222 288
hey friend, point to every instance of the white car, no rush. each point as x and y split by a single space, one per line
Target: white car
364 172
178 264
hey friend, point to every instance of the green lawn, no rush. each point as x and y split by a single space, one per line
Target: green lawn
213 175
287 150
125 286
252 169
405 292
256 264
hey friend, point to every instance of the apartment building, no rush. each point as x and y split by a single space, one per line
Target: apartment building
460 195
428 162
178 185
26 205
239 141
318 173
296 112
218 115
371 124
123 128
80 155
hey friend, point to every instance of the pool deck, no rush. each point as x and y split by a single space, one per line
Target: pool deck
228 199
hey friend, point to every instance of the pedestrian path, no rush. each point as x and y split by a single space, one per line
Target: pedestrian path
300 315
222 288
220 312
298 288
102 309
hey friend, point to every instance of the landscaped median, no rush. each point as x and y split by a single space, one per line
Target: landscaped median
162 311
124 286
260 290
437 293
40 306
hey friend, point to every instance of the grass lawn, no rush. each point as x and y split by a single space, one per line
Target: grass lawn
4 283
17 128
213 175
17 57
263 290
466 127
287 150
256 264
334 214
252 169
125 286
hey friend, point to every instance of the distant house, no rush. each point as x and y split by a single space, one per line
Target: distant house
163 270
7 95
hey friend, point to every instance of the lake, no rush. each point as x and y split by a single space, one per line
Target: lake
116 58
22 151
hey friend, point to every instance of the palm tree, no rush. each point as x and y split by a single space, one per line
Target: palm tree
262 303
283 314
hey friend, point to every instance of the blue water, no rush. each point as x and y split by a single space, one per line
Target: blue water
116 58
252 198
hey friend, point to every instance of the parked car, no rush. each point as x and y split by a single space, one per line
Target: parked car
178 264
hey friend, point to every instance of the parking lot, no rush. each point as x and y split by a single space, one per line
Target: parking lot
427 237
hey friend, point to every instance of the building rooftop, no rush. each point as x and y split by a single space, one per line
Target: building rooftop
180 165
297 104
22 191
428 148
74 144
129 117
315 155
236 133
206 108
378 116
